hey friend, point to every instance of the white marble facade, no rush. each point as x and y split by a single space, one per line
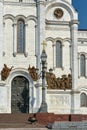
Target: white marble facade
41 24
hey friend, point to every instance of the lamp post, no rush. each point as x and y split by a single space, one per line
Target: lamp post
43 107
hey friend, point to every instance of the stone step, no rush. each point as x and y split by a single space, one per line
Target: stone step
14 118
23 129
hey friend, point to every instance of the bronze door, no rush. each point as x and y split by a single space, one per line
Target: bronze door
20 95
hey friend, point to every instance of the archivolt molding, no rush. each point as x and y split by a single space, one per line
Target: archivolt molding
31 17
82 89
9 16
58 39
17 72
80 53
66 39
20 17
67 6
15 19
50 39
53 40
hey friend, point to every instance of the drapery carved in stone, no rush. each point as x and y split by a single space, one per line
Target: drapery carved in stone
65 82
33 73
5 72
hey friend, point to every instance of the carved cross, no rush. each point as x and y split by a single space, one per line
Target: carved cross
44 44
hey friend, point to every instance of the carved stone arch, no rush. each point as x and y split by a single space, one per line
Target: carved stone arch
9 16
16 72
66 5
24 73
82 53
20 17
82 89
58 39
67 39
31 17
50 39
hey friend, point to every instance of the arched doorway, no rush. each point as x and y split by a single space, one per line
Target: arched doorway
20 95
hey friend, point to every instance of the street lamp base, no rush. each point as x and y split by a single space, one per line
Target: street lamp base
43 108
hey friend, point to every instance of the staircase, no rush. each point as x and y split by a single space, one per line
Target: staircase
19 121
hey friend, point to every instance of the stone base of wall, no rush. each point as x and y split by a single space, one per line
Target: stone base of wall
42 118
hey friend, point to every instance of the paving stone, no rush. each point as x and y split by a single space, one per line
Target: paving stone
69 126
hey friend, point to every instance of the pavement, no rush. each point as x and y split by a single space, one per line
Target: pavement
21 126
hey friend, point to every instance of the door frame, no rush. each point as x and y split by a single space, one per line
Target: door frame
21 72
18 95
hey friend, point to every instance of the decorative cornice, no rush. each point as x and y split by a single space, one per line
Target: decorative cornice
51 22
74 22
56 91
82 39
30 3
75 91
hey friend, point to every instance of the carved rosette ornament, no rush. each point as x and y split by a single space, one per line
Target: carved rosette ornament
33 73
58 13
5 72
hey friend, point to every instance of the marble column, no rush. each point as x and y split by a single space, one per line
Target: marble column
14 39
26 40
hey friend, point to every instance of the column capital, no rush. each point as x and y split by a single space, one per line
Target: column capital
74 22
14 24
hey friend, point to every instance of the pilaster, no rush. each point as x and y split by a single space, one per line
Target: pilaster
1 33
74 41
78 65
86 66
41 26
74 95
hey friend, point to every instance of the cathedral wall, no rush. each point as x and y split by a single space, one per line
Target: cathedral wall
19 10
3 99
50 14
20 60
82 49
52 35
56 29
59 101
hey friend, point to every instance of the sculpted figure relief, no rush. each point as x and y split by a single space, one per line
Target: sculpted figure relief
32 72
65 82
5 72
